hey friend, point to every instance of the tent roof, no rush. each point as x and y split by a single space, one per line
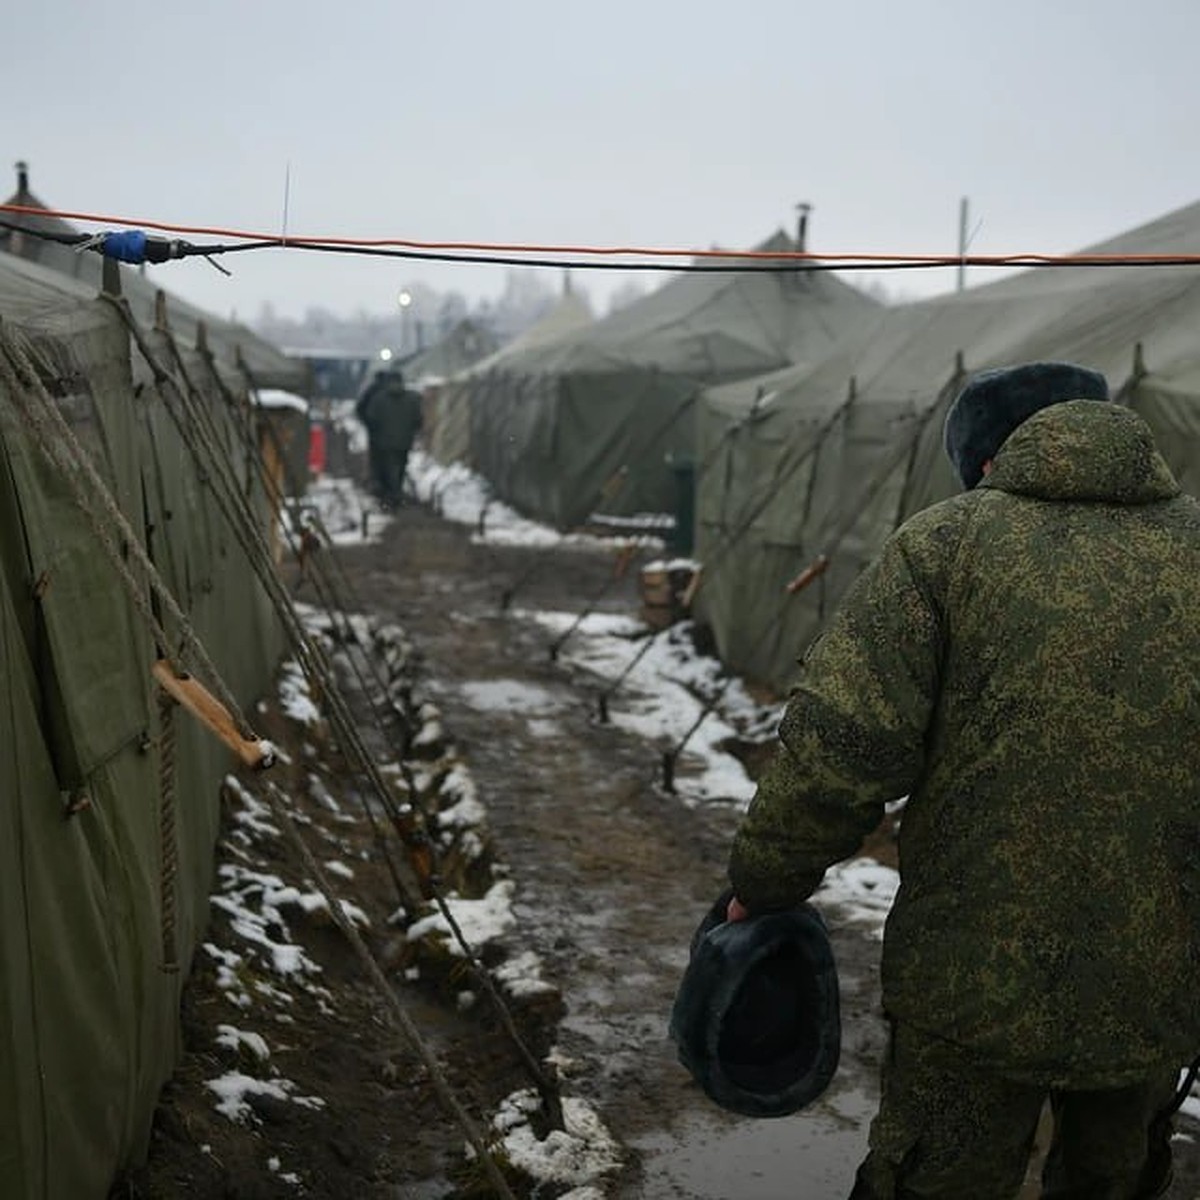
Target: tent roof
712 325
830 459
464 345
1096 315
563 321
39 297
231 343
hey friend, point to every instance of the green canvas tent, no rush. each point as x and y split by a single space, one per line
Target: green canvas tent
108 796
813 464
593 420
448 430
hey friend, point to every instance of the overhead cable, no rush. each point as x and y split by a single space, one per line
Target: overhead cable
136 246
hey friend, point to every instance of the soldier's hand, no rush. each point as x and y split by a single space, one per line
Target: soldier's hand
736 910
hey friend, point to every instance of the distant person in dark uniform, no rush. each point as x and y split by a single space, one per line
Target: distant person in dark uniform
392 416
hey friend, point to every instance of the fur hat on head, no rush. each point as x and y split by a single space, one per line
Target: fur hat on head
994 403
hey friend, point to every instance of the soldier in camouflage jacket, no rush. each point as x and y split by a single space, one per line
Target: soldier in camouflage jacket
1023 663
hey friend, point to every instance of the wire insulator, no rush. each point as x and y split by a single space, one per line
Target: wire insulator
134 246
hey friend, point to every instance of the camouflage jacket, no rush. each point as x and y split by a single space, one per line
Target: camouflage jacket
1023 662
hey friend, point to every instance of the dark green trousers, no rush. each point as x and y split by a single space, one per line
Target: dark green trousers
948 1131
388 465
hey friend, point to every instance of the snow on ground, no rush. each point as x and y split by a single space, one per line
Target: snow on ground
662 696
460 495
480 920
664 685
579 1155
266 966
347 514
862 890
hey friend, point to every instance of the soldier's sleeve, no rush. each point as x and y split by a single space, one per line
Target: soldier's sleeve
851 739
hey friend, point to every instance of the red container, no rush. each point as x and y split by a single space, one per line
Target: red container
316 449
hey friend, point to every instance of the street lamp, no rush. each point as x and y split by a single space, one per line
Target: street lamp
405 299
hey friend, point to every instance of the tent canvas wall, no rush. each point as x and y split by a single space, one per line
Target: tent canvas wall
108 797
448 429
593 419
828 461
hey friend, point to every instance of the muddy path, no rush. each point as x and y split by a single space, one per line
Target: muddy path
612 872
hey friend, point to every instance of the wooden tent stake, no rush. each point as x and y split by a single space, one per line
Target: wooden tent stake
817 567
206 708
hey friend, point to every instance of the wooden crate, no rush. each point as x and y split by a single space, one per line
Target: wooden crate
665 589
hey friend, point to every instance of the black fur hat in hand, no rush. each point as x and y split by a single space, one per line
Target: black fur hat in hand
756 1018
994 403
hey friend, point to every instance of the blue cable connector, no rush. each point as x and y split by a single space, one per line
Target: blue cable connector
133 246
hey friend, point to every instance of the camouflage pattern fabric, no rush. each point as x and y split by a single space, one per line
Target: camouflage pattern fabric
1022 661
946 1131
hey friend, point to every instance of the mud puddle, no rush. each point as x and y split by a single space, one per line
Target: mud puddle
808 1156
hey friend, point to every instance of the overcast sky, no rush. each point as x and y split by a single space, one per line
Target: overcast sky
684 124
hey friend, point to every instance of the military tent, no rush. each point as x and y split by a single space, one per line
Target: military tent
448 428
814 467
109 796
592 420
